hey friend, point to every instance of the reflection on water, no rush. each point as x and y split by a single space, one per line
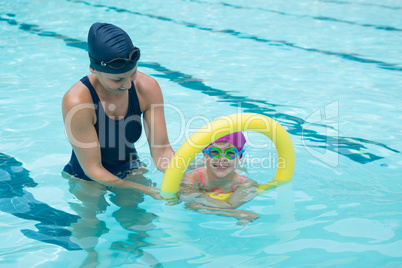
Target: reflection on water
82 231
14 199
87 231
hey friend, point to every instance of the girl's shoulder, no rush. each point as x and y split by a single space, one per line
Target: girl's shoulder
247 182
192 176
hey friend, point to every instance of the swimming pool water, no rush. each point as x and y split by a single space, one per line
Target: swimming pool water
328 71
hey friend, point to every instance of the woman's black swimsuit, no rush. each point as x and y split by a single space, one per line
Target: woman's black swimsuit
116 137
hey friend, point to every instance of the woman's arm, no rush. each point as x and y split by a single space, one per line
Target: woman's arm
79 117
154 121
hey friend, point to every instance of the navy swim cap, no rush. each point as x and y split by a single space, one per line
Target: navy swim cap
106 42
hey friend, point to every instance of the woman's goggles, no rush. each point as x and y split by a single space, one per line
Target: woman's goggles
215 152
119 63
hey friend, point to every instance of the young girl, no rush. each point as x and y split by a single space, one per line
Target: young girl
217 188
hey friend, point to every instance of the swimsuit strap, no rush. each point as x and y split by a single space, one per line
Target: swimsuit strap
94 95
217 190
202 178
241 179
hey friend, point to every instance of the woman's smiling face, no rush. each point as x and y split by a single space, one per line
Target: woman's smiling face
117 83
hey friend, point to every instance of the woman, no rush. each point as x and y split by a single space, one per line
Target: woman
102 114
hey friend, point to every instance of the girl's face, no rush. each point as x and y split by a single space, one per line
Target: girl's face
117 83
221 167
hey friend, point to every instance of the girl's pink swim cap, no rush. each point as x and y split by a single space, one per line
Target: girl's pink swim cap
236 138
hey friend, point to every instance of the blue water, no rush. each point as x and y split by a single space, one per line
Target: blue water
328 71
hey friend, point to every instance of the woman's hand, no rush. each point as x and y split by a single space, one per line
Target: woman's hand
153 192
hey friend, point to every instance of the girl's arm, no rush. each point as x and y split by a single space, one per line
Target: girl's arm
189 187
203 203
244 192
243 216
190 192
